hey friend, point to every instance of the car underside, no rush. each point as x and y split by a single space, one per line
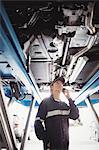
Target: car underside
58 38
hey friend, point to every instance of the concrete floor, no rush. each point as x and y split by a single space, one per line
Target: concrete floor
79 135
79 140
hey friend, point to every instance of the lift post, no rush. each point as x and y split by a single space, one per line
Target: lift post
26 131
94 115
8 141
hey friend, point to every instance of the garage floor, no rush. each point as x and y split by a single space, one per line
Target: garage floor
79 140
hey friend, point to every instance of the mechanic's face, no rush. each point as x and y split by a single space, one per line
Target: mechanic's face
57 86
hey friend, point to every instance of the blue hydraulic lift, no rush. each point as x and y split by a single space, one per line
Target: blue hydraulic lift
14 60
84 99
91 87
12 51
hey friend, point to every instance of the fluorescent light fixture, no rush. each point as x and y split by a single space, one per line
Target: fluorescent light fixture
78 67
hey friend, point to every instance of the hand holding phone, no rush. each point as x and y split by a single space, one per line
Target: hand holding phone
66 93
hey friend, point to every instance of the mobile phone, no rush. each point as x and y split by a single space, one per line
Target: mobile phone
63 89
